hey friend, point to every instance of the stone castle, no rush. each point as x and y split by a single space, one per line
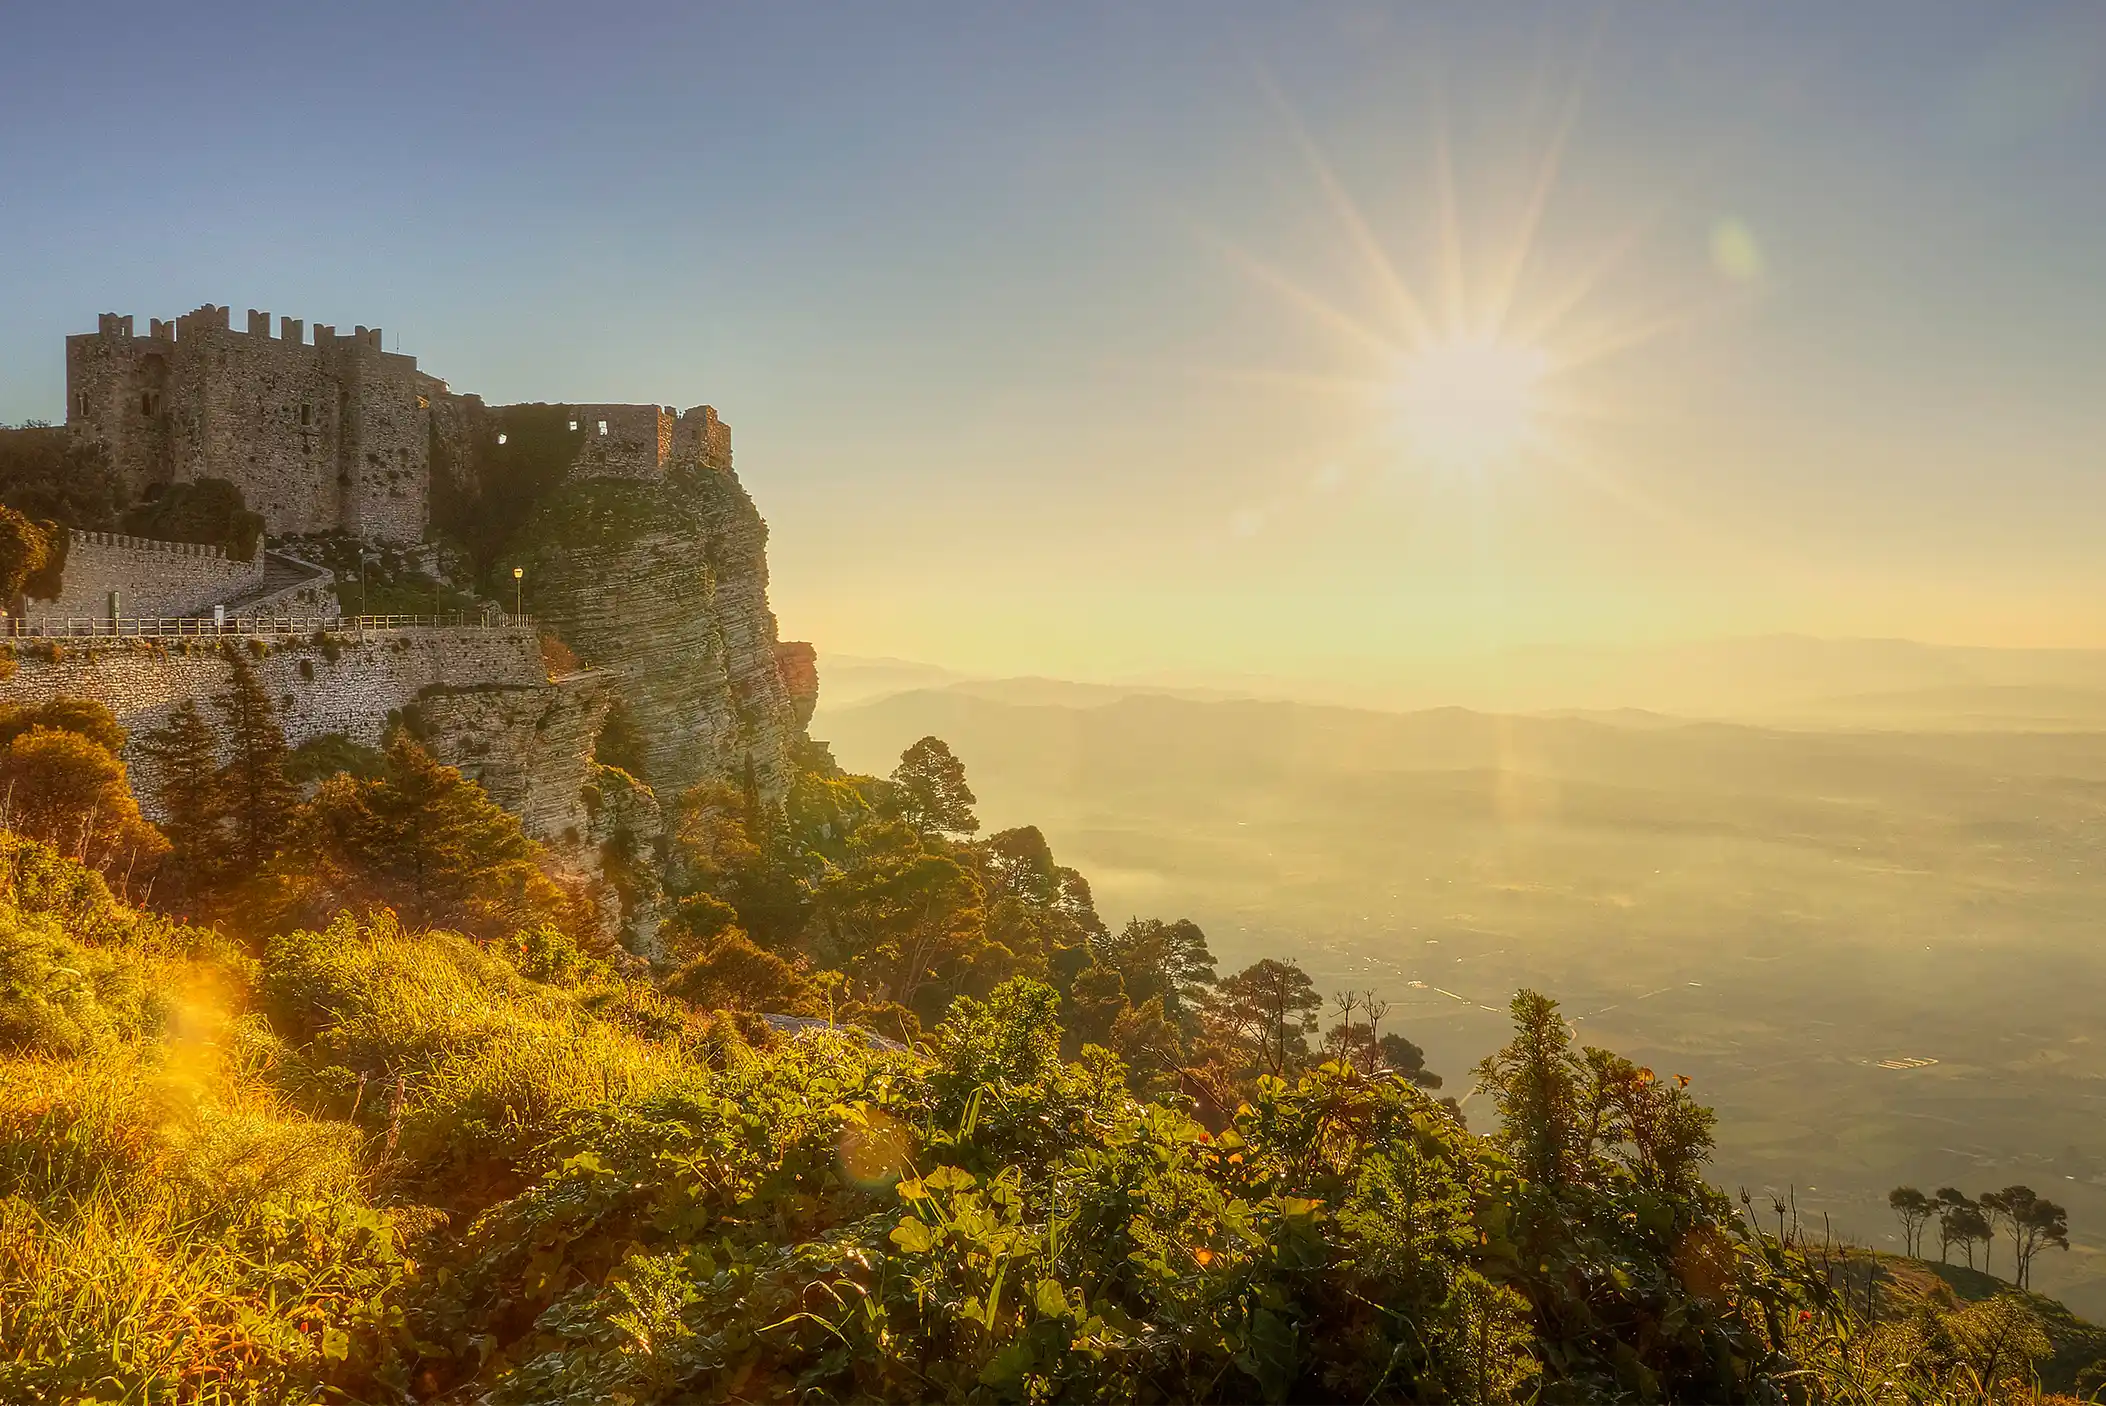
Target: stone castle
332 435
645 558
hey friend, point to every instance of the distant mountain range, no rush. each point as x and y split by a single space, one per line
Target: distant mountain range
1779 680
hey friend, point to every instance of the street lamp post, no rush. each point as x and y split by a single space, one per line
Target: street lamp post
518 592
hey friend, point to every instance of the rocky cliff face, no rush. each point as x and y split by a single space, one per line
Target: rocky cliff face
664 585
529 747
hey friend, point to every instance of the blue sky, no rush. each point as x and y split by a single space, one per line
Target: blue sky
993 296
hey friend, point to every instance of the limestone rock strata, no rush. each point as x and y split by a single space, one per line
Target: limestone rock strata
530 747
627 831
664 583
798 663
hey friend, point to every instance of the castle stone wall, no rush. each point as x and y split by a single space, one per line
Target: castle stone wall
645 441
623 441
320 437
701 440
150 577
140 680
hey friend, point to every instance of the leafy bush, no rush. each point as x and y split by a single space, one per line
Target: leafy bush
60 998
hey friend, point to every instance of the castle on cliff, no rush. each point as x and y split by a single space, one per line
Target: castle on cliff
329 435
644 558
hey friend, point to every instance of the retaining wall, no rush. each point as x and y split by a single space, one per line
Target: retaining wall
141 680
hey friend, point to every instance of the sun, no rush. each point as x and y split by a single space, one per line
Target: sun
1476 366
1470 403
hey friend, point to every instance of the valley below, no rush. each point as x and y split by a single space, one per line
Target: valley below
1874 951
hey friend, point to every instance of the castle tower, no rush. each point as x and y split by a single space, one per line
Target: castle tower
328 436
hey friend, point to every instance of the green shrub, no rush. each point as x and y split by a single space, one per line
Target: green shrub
60 998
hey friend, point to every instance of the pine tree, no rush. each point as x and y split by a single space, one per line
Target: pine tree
930 789
185 756
427 841
257 797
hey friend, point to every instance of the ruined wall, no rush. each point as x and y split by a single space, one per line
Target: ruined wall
321 437
647 441
152 578
623 441
701 441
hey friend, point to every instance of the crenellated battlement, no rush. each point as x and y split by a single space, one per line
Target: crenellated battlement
209 319
145 544
323 436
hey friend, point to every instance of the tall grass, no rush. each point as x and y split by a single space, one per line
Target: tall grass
170 1230
454 1060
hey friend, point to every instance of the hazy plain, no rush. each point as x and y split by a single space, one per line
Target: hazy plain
1868 926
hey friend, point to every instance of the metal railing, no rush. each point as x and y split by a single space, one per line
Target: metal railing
191 626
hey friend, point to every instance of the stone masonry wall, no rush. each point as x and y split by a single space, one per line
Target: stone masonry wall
150 577
623 441
140 680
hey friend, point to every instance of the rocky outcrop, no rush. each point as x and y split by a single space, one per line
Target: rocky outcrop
798 663
664 585
627 831
529 746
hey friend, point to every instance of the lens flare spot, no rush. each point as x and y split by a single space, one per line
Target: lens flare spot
1735 252
876 1150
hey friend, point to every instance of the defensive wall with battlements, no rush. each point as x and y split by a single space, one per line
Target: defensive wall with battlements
150 577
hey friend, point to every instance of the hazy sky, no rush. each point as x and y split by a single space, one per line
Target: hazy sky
1059 337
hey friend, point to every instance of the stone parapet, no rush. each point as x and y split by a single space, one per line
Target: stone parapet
150 577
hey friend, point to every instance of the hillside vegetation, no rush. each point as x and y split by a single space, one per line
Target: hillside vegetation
395 1164
889 1114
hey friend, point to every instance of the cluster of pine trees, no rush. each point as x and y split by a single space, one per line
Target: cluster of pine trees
259 835
2030 1221
875 901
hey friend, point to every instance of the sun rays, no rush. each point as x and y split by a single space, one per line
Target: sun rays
1471 367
